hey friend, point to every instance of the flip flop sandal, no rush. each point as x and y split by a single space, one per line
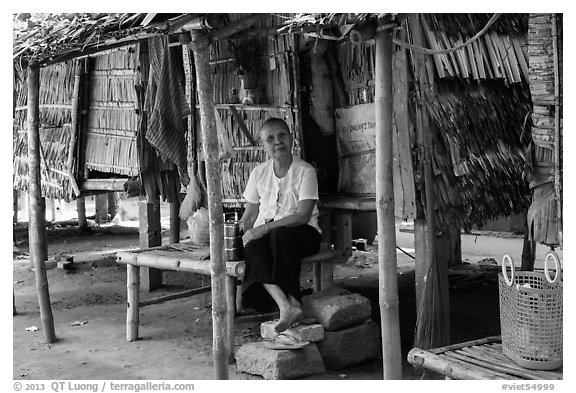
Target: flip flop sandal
284 341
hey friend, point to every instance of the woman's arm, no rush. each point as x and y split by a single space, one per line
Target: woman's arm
250 214
300 217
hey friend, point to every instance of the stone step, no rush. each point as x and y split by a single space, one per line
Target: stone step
336 308
255 358
312 333
351 345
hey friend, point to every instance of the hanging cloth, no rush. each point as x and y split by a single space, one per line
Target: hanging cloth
166 105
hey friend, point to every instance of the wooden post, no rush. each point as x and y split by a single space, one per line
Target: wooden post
342 241
15 206
174 235
557 129
36 213
388 275
101 209
81 209
150 236
231 308
52 206
221 343
133 299
421 267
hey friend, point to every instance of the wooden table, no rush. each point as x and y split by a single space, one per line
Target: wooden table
478 359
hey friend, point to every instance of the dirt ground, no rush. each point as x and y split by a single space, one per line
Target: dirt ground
89 305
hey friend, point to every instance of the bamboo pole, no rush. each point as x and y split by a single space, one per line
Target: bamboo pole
133 299
179 295
36 213
220 343
75 127
557 131
388 281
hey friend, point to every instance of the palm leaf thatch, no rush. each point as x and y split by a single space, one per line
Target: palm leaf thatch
55 143
478 113
55 97
41 37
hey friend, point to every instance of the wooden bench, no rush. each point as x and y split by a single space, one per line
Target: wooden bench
478 359
187 257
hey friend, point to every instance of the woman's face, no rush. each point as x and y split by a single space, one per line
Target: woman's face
277 141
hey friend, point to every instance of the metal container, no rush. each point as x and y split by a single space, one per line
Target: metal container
233 247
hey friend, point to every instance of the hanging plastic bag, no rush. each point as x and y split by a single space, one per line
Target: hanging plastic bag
199 227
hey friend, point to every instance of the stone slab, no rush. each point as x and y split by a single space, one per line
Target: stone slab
351 346
255 358
312 333
336 308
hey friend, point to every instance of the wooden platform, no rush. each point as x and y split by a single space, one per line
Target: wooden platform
478 359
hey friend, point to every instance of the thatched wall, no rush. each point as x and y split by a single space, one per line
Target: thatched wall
112 118
478 111
56 88
543 213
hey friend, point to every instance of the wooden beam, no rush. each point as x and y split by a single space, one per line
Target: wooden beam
220 343
242 125
238 26
104 185
36 212
388 281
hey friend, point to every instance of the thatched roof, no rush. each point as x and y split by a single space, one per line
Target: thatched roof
52 37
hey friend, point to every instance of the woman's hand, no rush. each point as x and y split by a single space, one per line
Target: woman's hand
255 233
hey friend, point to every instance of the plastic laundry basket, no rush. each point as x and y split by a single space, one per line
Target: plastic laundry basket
531 315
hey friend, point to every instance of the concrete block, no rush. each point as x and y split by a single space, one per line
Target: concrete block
351 346
312 333
255 358
336 308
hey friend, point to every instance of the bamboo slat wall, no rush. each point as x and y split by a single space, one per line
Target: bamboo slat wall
493 56
543 88
113 121
277 98
56 88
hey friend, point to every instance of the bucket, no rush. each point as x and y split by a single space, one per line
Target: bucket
233 248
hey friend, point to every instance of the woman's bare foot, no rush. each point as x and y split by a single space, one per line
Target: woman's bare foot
288 317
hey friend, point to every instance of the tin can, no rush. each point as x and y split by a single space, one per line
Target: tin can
233 247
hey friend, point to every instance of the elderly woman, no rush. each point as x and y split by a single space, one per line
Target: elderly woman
280 226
